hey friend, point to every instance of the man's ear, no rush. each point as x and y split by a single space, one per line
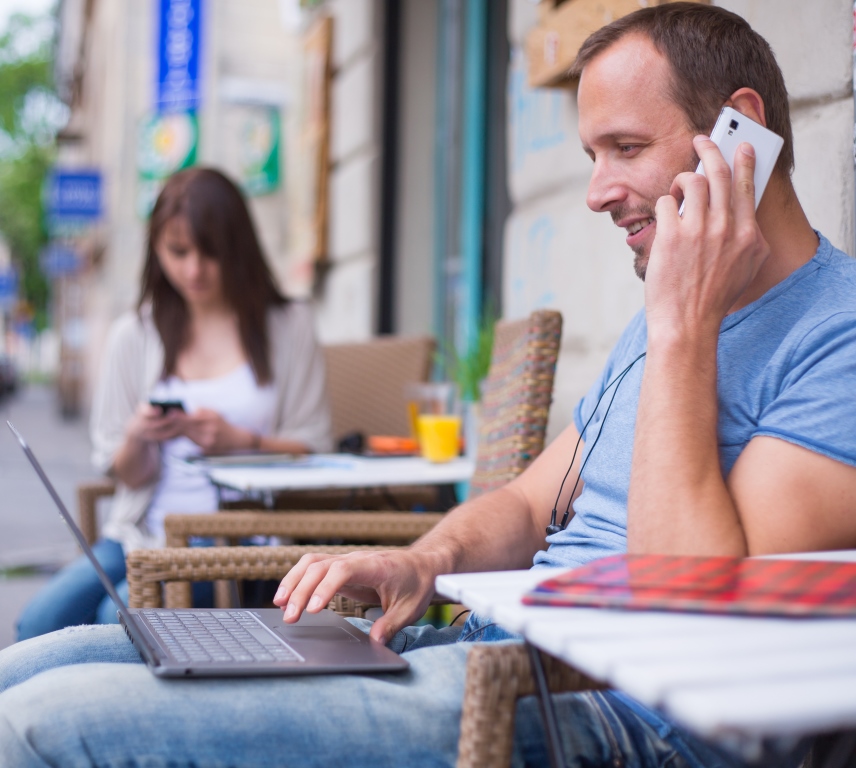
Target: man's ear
748 101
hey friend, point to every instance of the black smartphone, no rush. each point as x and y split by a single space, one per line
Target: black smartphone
168 405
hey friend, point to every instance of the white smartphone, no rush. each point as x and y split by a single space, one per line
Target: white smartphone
731 130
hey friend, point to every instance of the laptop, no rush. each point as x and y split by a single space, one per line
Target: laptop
235 642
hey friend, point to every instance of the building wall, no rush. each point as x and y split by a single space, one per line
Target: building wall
559 254
243 39
414 234
346 306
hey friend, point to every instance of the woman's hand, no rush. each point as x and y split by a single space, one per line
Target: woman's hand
213 434
137 460
150 424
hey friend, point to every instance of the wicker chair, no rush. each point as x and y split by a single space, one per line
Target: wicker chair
365 383
516 403
515 407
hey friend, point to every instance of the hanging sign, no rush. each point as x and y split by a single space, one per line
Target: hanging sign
8 288
259 151
178 86
58 259
73 199
166 144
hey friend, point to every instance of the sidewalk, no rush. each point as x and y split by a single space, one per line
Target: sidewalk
32 535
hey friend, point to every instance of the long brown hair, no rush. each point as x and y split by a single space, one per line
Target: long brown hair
712 53
221 229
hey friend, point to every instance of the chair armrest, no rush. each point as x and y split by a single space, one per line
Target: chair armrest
498 675
87 506
365 527
161 577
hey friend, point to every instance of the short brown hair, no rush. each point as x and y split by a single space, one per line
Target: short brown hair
221 229
712 53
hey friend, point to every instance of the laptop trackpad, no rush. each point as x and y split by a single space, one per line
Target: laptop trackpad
316 634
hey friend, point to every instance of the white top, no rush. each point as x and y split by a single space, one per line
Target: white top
132 367
238 398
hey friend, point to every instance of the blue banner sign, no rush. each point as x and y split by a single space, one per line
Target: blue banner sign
8 288
74 197
179 87
57 260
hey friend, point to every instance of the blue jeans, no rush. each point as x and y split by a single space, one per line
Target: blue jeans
75 595
80 697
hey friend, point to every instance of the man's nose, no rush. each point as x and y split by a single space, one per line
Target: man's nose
605 189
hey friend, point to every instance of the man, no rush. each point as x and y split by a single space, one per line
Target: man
731 436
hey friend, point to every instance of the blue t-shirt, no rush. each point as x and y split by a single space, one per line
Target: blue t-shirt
786 369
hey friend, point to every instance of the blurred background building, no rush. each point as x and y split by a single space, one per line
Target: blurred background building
404 170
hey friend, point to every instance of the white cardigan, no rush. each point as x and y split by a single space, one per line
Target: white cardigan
133 363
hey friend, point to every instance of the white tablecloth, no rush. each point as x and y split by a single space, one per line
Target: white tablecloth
325 471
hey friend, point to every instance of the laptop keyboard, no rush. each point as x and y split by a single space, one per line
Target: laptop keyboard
217 636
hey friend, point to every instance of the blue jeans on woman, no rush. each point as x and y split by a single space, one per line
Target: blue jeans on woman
81 697
75 595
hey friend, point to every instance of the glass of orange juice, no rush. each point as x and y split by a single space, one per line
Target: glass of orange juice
435 419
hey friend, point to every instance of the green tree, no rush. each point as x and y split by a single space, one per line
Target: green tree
30 114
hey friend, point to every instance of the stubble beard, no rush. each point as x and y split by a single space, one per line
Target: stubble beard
641 252
640 262
640 258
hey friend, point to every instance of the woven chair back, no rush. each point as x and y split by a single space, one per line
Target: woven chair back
516 397
366 382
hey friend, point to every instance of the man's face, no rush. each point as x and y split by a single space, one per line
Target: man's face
638 138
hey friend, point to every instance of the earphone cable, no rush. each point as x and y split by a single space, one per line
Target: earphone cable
617 381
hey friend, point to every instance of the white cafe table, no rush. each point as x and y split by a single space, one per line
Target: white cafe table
265 476
732 679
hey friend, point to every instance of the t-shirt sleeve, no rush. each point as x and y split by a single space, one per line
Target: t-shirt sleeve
586 405
620 357
816 404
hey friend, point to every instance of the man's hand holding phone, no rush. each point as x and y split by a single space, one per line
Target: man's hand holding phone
702 262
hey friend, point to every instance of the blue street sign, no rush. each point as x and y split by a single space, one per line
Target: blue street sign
178 86
73 197
8 288
58 260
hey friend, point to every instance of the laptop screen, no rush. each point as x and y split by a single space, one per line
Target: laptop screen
129 621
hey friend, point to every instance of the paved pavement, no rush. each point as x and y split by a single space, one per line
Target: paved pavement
33 539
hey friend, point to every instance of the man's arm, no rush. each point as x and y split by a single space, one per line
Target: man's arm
698 267
500 530
779 497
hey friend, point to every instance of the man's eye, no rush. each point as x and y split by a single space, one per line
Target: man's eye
627 149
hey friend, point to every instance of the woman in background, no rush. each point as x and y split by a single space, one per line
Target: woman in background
212 332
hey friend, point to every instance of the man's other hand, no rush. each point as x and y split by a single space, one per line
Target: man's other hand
401 581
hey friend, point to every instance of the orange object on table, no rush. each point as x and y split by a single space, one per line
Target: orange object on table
392 445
